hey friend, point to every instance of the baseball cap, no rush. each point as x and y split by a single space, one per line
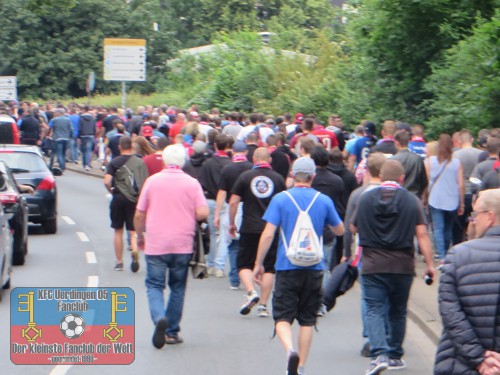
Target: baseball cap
299 117
304 165
370 128
239 146
147 131
199 147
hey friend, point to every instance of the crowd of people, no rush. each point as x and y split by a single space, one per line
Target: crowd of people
372 193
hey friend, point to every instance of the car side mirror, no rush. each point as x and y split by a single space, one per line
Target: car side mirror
57 171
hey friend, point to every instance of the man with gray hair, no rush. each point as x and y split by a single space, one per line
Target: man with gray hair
297 291
170 204
469 296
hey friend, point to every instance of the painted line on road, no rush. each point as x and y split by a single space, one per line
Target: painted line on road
60 370
91 258
68 220
83 237
93 282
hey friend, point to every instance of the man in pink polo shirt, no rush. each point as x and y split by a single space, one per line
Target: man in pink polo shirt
170 204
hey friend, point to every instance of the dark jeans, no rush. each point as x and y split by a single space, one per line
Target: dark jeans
386 296
87 142
62 146
157 266
442 226
461 222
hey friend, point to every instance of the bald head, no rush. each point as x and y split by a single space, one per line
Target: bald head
261 155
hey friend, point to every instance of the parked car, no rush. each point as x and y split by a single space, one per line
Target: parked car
16 211
5 252
29 168
9 132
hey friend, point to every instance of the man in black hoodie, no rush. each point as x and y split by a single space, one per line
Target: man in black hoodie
210 174
388 219
86 133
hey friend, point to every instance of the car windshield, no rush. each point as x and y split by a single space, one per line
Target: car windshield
23 160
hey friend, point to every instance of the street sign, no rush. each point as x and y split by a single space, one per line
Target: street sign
124 59
8 88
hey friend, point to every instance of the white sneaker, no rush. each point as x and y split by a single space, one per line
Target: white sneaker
252 299
263 311
211 271
219 273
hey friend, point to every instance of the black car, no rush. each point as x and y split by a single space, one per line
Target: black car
29 168
5 252
16 211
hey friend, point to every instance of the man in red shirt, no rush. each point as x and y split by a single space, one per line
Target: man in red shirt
326 137
154 162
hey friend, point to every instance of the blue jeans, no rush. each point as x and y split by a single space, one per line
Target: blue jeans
86 146
328 256
73 149
234 279
178 266
213 233
62 146
442 223
224 238
386 297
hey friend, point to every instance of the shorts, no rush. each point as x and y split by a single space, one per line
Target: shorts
297 295
247 252
121 211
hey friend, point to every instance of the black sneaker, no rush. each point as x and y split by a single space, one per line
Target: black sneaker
377 365
365 350
159 334
135 261
293 363
118 267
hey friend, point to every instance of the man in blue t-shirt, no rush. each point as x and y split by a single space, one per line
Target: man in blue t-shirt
297 294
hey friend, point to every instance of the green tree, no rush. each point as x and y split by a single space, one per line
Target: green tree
467 86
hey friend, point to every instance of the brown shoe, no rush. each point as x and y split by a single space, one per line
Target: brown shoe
173 340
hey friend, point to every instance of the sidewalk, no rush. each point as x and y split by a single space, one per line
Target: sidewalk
422 306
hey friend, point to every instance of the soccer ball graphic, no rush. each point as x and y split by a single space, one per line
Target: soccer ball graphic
72 326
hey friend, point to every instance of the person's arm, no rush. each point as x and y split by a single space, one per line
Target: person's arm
233 208
425 247
455 322
460 189
140 227
351 162
266 239
338 229
202 213
108 182
219 204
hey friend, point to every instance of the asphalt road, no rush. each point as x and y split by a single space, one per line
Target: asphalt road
218 341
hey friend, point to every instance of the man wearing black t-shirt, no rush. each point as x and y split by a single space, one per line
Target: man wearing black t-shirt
255 188
226 244
122 209
387 219
107 123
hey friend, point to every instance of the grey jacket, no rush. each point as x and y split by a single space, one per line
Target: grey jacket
469 299
61 128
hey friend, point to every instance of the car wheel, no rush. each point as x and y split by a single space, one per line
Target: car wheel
50 226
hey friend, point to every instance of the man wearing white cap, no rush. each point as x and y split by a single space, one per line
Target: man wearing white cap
297 291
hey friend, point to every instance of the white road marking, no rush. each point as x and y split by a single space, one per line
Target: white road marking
83 237
93 282
91 258
68 220
60 370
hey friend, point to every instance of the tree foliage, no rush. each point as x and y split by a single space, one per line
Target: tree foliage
467 86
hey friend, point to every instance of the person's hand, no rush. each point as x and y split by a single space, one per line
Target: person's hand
430 271
258 272
217 221
26 189
460 210
140 242
490 365
344 259
233 230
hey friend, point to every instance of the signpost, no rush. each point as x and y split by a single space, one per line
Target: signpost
8 88
124 60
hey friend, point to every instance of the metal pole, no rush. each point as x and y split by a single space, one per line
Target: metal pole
124 94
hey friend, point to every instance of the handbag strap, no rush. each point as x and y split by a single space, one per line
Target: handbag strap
438 175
